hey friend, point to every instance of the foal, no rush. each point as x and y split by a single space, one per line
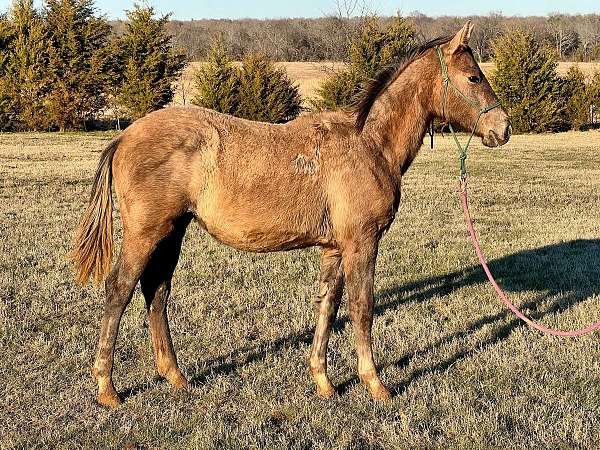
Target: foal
329 179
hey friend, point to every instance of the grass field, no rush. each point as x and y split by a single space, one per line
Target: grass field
465 373
310 75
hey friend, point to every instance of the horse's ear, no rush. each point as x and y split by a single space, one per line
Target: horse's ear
461 38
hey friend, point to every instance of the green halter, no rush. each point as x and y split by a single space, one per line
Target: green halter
448 83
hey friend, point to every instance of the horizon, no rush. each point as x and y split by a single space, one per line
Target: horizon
275 9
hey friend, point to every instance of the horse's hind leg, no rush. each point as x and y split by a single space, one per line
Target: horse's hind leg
156 286
331 285
119 288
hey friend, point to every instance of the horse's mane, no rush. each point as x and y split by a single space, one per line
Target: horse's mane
378 85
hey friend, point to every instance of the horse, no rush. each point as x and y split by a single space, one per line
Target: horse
327 179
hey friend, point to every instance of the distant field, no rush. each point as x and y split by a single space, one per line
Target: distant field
464 372
587 68
310 75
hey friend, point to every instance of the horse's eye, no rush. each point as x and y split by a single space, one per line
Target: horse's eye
474 79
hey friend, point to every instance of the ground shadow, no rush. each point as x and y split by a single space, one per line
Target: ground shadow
567 273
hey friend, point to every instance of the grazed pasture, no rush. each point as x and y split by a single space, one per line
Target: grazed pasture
310 75
465 372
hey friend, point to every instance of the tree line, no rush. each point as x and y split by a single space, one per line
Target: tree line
571 37
63 67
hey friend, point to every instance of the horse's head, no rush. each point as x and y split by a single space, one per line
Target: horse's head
466 97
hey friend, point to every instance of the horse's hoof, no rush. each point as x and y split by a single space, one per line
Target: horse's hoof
178 381
109 399
326 393
325 389
380 394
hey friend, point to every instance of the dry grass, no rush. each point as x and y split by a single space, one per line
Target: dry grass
466 374
310 75
588 68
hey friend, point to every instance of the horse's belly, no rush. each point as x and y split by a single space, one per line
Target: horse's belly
265 213
260 236
264 227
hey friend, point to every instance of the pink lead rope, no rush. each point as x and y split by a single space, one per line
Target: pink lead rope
503 296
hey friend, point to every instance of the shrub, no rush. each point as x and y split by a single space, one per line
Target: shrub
218 82
266 92
372 50
256 91
5 109
596 52
526 82
150 63
576 98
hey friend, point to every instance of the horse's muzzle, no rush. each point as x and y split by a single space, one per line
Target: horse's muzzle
495 138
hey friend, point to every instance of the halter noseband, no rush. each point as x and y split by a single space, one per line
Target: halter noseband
448 83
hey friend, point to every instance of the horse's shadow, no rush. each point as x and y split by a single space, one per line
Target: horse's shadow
562 274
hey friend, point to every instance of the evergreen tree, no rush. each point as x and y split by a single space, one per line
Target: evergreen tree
218 82
25 75
594 94
377 47
339 91
371 51
150 62
77 41
6 37
576 98
266 92
526 82
596 52
6 98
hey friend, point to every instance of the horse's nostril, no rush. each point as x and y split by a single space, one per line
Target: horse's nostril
508 132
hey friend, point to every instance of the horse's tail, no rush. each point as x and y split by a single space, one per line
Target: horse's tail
93 249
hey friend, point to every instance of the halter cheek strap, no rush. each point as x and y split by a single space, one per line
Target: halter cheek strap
447 83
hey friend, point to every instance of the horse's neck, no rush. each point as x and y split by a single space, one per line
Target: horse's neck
398 120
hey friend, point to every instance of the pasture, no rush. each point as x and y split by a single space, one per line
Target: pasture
464 371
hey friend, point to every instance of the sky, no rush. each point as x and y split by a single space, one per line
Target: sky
235 9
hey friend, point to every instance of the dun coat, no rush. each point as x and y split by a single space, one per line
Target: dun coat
329 179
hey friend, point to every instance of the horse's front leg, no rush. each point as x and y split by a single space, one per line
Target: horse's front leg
331 285
359 271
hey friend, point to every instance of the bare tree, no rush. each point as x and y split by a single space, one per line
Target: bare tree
327 38
487 28
346 8
589 34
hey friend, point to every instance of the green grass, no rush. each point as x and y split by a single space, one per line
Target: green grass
465 372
